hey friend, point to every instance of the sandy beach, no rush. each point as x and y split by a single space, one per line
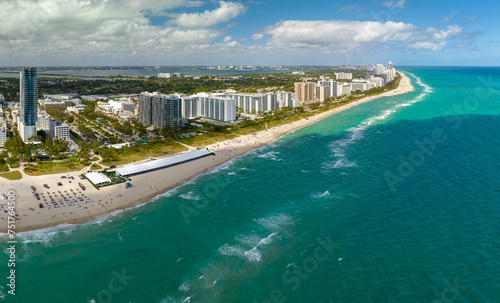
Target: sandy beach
78 206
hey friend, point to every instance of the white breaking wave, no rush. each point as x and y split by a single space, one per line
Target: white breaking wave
338 147
272 155
45 235
251 240
231 250
190 196
255 254
321 195
275 222
185 287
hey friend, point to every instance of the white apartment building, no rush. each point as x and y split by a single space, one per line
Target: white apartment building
343 76
210 106
59 130
379 70
169 75
255 103
3 133
285 99
322 92
43 122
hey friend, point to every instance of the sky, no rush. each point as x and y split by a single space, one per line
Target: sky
250 32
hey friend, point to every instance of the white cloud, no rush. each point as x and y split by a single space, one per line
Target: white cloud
452 31
349 8
257 36
399 4
226 12
242 39
449 18
79 28
227 39
432 46
340 33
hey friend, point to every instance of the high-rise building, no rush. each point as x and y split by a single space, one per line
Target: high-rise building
255 103
284 99
322 92
389 65
3 132
304 91
379 70
210 106
29 103
160 110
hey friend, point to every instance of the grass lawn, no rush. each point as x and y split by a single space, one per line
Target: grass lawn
161 150
49 168
13 175
129 157
95 167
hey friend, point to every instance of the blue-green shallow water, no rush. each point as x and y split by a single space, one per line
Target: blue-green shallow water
350 209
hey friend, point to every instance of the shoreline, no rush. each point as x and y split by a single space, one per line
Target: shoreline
116 197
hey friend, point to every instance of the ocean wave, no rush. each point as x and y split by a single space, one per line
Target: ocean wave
251 240
338 147
327 167
321 195
184 287
45 235
275 222
190 196
231 250
272 155
231 174
253 255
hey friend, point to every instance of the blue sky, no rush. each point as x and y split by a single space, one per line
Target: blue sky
255 32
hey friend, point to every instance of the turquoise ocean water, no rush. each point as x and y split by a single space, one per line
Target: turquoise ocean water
395 200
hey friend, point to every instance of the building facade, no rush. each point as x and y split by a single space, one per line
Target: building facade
322 92
343 76
29 103
3 133
255 103
160 110
59 130
211 107
304 91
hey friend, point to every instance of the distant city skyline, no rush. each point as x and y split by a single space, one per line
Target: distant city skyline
207 33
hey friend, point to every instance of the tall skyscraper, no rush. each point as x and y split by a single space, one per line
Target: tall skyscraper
160 110
389 65
304 91
379 69
29 103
